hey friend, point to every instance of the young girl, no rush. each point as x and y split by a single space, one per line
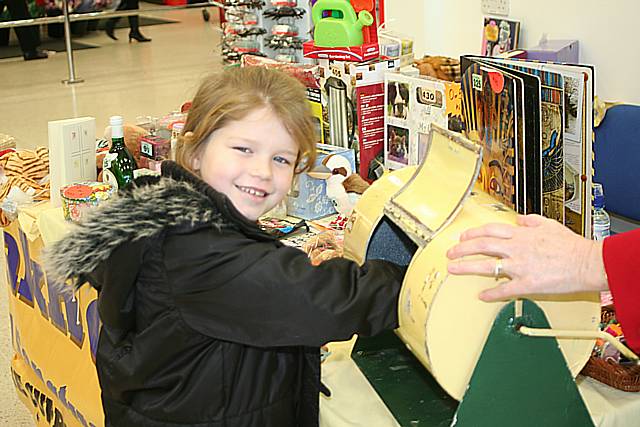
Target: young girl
206 320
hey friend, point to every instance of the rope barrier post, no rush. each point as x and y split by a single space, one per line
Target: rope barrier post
67 42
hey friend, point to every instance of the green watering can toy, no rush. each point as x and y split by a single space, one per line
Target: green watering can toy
337 25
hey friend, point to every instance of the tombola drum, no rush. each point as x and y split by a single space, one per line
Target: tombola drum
412 217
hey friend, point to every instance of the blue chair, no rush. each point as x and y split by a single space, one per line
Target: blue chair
617 165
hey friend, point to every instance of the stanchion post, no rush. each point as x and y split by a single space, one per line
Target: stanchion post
67 41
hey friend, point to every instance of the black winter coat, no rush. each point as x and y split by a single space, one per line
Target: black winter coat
206 320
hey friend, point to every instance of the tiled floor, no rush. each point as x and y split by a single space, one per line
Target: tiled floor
120 78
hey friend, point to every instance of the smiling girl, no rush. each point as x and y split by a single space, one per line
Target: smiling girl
206 320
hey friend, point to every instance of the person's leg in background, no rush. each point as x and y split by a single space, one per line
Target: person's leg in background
134 33
28 37
134 24
4 32
110 25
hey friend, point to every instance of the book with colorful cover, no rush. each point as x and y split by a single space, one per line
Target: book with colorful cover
565 119
490 113
531 163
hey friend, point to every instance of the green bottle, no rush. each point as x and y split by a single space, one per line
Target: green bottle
118 165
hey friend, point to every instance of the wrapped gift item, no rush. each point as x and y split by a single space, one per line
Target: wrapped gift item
77 198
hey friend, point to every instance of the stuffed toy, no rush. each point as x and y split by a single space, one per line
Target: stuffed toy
355 184
343 186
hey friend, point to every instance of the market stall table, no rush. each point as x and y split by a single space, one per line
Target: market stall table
54 372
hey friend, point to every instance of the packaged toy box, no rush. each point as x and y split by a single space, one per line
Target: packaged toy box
308 196
353 109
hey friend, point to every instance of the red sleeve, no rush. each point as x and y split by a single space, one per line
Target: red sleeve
621 255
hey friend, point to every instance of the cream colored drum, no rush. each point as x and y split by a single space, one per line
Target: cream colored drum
413 216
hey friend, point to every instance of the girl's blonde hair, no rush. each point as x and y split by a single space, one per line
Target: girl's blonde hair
234 93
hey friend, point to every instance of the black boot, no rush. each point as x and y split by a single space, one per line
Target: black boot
30 55
135 33
110 26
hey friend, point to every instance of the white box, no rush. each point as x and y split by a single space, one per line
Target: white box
411 105
72 153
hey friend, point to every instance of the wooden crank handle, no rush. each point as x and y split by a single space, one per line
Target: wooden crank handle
562 333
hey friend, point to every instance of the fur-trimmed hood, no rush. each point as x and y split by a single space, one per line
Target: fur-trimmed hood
143 210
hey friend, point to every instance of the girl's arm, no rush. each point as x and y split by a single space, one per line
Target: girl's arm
263 295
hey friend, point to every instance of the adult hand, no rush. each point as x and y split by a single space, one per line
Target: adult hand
540 256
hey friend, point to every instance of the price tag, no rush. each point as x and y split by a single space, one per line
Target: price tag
108 158
428 96
477 82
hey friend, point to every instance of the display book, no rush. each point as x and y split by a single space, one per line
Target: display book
534 120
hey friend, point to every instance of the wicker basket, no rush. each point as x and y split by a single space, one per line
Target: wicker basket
622 377
626 378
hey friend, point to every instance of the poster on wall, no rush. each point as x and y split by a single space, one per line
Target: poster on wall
499 35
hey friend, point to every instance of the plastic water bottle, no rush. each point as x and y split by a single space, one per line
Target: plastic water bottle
601 221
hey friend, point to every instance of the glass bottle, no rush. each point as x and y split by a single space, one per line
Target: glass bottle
118 164
601 221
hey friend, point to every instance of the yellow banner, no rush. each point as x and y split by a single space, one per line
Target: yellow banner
54 338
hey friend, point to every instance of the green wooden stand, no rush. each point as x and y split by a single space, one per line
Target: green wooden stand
518 380
410 392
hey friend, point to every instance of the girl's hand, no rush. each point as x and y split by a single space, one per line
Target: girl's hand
540 256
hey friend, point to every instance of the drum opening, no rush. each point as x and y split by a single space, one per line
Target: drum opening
390 243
